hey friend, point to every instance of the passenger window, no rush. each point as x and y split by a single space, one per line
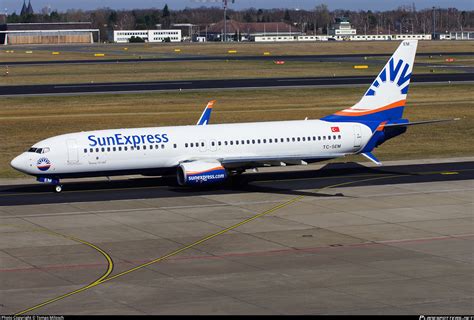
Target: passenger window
319 137
114 149
264 140
287 139
125 148
202 144
324 137
219 143
248 141
237 142
103 150
298 139
119 148
185 145
304 139
282 140
329 137
138 147
162 146
96 149
175 146
269 140
258 141
213 143
339 136
293 139
85 150
253 141
231 142
225 142
334 137
192 145
91 150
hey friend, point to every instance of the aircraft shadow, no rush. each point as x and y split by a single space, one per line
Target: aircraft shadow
297 183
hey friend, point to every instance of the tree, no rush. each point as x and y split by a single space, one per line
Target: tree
322 17
166 17
134 39
287 16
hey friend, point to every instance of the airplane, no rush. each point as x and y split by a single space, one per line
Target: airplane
212 153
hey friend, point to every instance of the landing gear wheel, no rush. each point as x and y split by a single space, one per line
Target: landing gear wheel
58 188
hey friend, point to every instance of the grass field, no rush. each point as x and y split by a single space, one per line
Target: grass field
24 121
190 70
117 51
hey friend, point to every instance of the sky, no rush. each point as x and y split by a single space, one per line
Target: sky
374 5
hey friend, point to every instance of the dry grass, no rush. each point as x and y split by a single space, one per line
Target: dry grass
116 51
24 121
189 70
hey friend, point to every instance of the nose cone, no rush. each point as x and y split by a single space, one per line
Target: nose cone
19 163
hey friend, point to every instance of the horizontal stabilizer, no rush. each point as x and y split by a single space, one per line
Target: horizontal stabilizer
372 158
419 122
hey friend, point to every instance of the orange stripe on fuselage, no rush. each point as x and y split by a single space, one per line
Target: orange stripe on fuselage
363 113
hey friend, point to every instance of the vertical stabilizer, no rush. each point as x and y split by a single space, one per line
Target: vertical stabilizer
386 96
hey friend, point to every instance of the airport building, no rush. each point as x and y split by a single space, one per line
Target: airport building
48 33
368 37
456 35
342 28
124 36
248 31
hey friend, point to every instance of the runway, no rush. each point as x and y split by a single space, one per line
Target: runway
344 238
319 57
123 87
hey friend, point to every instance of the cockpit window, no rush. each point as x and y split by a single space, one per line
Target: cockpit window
39 150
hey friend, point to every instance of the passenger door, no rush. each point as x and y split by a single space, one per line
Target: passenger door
357 136
72 152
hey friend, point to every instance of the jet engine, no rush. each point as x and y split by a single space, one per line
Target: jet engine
201 172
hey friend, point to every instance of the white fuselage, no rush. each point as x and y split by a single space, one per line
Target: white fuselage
118 151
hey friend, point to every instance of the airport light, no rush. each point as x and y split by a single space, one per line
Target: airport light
225 5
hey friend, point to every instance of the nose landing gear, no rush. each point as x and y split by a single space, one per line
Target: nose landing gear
57 186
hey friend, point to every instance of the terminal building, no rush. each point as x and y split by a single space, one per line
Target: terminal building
124 36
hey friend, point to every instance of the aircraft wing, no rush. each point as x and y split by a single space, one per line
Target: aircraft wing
254 161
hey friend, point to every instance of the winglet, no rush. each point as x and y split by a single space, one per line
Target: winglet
206 114
372 158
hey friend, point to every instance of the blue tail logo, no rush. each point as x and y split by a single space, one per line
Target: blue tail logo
391 73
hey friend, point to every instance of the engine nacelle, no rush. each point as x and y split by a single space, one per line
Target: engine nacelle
201 172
